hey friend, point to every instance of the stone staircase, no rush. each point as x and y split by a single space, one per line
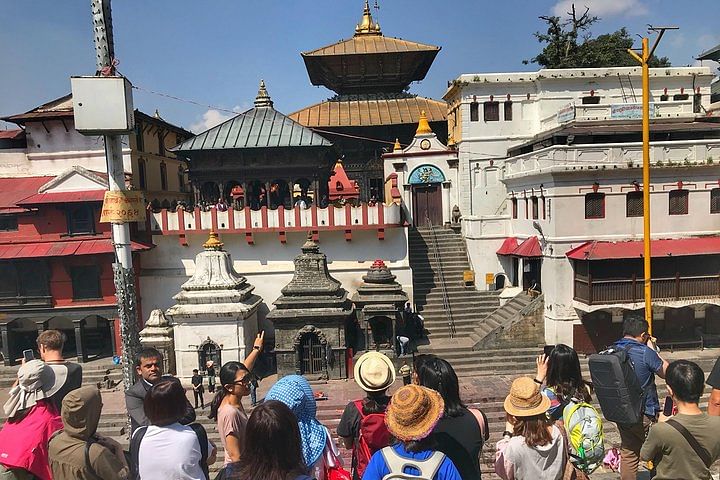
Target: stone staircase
467 305
93 373
488 331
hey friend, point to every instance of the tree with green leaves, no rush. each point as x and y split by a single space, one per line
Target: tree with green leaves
569 44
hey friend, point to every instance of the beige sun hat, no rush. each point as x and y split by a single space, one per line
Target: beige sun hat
374 372
36 381
525 399
413 412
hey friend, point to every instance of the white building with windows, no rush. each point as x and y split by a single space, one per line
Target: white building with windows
553 195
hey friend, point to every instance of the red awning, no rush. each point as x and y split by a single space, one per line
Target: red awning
678 247
508 246
62 249
64 197
528 248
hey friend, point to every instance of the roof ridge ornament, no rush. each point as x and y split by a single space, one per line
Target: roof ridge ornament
423 125
263 99
213 242
367 25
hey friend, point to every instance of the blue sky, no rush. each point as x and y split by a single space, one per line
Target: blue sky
215 52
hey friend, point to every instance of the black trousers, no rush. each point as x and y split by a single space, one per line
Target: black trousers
199 396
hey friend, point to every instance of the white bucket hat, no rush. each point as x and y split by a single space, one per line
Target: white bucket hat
374 372
36 381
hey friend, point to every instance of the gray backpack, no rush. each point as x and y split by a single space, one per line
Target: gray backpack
396 464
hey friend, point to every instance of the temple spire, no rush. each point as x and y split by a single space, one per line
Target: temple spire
423 125
263 98
367 25
397 147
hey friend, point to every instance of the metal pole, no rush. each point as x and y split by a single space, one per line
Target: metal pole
646 181
124 276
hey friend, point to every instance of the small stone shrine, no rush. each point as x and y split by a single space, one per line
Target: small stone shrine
378 301
215 317
158 333
311 319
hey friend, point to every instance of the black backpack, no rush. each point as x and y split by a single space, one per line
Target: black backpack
138 435
617 387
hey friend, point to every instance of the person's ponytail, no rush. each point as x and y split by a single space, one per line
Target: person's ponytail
228 372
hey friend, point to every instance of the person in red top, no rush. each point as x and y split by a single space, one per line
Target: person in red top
32 419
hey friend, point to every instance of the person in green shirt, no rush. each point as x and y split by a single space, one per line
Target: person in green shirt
665 446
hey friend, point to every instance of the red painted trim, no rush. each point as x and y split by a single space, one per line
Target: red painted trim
164 220
331 215
365 213
298 222
248 219
348 215
316 236
381 213
281 216
313 211
249 238
231 219
198 219
263 217
381 233
283 237
214 219
348 235
181 223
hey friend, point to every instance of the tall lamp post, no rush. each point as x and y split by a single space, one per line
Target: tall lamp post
643 58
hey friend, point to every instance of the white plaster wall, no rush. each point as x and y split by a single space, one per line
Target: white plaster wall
268 265
14 163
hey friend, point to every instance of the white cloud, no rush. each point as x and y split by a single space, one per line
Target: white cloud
212 118
601 8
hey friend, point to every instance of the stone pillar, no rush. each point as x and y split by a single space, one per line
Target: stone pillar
113 324
267 194
80 340
447 206
7 337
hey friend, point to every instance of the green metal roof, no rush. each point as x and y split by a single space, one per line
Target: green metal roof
259 127
712 54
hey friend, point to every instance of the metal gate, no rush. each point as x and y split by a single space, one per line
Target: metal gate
311 354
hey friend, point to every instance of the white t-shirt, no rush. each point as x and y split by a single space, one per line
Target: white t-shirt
172 453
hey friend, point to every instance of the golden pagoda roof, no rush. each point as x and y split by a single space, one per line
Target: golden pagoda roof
370 112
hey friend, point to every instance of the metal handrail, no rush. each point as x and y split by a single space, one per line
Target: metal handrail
441 274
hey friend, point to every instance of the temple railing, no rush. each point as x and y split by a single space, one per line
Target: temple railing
281 220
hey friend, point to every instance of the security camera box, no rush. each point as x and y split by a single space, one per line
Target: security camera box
102 105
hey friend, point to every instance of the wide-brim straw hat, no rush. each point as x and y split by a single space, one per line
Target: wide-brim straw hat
413 412
374 372
526 399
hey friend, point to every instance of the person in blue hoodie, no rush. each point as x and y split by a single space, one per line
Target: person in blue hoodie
411 417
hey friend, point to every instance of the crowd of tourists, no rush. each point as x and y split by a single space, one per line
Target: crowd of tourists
423 430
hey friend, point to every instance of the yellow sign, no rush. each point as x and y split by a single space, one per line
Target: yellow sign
489 278
123 206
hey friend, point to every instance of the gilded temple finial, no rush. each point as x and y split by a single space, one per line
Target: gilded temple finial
397 147
367 25
423 125
263 98
213 242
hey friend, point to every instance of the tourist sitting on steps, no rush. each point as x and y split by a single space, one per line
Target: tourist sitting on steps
273 448
532 447
461 431
362 426
411 417
32 420
78 452
319 450
148 366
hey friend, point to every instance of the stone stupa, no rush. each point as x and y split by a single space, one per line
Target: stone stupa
311 317
215 318
378 301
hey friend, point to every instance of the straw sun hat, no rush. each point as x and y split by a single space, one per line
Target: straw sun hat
525 399
413 412
374 372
